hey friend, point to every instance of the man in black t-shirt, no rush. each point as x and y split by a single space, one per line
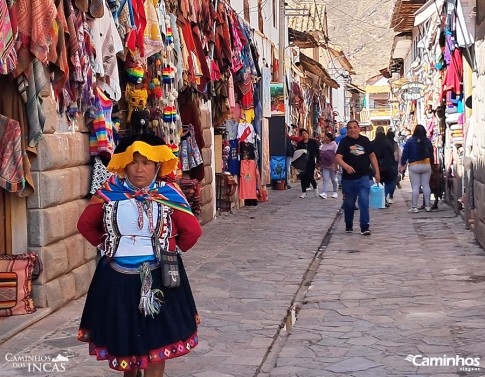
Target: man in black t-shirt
355 155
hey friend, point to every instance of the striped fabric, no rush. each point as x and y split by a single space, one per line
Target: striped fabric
8 56
35 22
101 138
8 290
167 194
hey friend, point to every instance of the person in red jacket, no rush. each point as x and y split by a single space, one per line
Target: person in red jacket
139 310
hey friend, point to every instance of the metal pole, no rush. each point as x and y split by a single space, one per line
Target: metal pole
282 40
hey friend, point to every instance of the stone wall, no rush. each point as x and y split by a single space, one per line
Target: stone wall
478 157
207 195
62 177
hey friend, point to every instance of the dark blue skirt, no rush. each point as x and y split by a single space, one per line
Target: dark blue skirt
118 332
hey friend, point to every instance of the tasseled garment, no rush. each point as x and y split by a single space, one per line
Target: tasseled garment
150 300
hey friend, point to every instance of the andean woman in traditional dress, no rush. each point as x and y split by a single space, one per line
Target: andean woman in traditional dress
135 317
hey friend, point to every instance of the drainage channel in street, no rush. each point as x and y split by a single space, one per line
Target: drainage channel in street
291 317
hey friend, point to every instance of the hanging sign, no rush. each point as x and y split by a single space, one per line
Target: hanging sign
412 91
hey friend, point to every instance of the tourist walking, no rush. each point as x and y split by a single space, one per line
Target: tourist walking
328 165
355 155
387 164
307 177
418 156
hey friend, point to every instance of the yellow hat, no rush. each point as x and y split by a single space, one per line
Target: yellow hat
150 146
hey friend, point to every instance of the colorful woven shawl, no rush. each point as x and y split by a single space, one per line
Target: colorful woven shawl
168 194
12 176
8 55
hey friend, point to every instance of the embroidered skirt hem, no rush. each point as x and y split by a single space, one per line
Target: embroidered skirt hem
118 332
133 362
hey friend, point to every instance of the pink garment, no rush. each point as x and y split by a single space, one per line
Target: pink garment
12 176
248 180
231 95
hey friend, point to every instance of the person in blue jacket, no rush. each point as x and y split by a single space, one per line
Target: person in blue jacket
418 154
343 133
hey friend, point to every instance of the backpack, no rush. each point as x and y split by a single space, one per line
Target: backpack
327 157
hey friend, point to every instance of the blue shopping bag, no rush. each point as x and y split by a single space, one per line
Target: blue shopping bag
377 197
277 167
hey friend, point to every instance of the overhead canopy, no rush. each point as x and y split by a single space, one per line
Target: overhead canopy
307 16
403 14
427 11
340 55
317 69
354 88
302 39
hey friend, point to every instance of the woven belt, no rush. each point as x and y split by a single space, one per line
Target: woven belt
131 270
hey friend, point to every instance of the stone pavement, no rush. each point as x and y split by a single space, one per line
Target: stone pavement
283 291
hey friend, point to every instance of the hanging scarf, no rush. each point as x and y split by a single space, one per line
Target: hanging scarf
8 55
168 194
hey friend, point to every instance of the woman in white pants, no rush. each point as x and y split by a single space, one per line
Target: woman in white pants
418 154
328 166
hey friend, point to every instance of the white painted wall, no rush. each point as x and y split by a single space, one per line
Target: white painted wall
269 29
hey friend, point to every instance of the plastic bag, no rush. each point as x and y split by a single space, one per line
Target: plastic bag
377 197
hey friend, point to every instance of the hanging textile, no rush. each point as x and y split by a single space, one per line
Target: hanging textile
12 176
8 55
248 180
190 155
101 138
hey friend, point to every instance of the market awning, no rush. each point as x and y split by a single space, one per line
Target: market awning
354 88
317 69
301 39
340 55
427 11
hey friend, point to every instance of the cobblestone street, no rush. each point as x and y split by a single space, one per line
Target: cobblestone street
283 291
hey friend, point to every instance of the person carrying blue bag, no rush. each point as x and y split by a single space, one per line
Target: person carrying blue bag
355 155
384 152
